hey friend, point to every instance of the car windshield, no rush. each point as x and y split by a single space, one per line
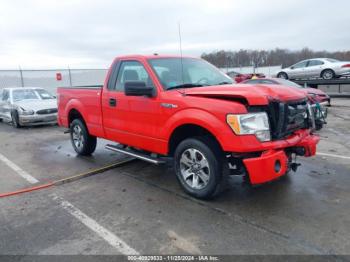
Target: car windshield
44 95
24 94
332 60
187 72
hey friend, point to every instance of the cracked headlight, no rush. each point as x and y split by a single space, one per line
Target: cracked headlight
251 124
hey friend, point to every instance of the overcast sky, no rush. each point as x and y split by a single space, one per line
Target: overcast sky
83 33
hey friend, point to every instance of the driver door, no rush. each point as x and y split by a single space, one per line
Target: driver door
298 70
131 120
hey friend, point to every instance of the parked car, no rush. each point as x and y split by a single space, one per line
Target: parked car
186 112
326 68
315 96
238 77
27 106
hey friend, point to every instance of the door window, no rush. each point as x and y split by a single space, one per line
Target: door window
132 71
300 65
315 63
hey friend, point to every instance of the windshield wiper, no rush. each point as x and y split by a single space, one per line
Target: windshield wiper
188 85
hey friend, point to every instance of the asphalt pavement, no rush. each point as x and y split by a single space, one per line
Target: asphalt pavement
139 208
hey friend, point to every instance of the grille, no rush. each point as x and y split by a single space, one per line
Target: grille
47 111
285 118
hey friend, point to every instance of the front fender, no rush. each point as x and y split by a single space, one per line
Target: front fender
215 125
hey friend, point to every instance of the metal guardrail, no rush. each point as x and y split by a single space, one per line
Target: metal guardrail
316 82
339 87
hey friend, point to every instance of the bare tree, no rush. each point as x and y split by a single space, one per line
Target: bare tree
278 56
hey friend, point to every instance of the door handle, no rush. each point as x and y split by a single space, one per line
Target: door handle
112 102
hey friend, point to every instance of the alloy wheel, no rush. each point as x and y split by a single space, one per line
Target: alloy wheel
194 168
78 137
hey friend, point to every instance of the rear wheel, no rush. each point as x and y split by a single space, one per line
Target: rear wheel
15 119
83 143
328 74
282 75
198 167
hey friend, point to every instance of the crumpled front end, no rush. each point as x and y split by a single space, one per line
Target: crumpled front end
292 125
275 163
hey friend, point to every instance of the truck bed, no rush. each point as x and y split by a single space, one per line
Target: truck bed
87 100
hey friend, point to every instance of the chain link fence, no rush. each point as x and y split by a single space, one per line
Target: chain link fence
51 79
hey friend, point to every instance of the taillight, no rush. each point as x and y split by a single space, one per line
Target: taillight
347 65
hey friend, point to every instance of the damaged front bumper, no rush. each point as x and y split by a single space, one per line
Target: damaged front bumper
274 163
26 120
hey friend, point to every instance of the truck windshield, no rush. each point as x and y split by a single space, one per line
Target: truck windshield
190 72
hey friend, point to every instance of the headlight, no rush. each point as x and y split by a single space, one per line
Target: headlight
251 124
26 112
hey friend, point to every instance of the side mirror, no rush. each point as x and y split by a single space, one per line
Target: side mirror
292 67
137 88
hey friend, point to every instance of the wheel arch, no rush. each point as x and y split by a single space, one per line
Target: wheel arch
282 72
185 131
75 109
75 114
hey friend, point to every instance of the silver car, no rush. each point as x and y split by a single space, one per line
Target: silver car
325 68
27 106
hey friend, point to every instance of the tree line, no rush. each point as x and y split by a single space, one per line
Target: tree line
274 57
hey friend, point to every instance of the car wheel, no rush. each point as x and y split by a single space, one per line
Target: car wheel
329 102
15 119
318 126
83 143
198 167
282 75
328 74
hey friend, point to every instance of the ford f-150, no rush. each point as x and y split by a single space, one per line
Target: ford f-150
185 111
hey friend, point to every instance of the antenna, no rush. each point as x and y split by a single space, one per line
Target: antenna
180 42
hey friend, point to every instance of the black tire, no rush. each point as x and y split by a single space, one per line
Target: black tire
318 126
214 160
87 143
282 75
328 74
15 119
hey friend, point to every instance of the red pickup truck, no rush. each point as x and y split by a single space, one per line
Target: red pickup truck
185 111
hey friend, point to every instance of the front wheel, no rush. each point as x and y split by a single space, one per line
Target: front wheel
83 143
198 167
15 119
282 75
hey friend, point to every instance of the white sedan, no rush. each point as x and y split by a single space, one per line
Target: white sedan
325 68
27 106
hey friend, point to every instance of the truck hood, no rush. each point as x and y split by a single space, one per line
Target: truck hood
252 94
36 104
